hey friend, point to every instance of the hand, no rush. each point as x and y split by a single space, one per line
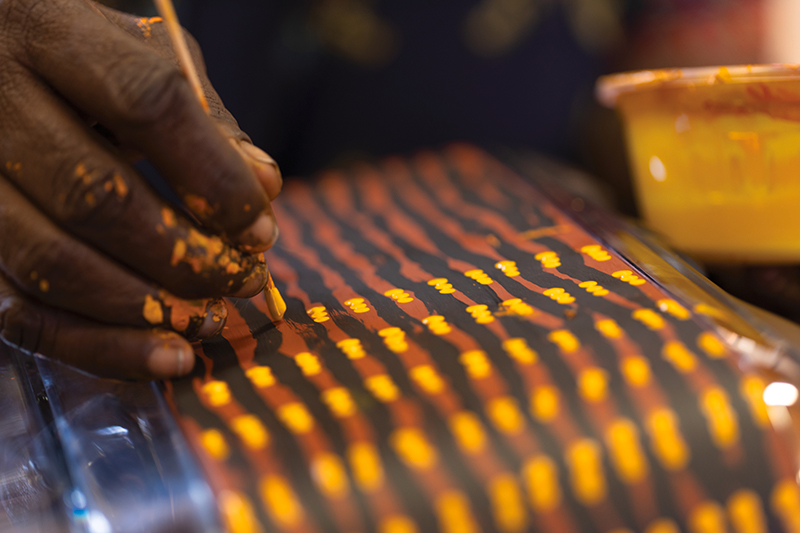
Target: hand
96 269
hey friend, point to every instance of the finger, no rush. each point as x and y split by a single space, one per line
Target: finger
106 351
148 104
58 270
153 32
54 159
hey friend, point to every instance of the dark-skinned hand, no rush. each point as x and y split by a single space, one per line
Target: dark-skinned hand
96 269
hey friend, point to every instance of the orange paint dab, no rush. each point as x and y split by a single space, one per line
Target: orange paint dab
153 312
168 216
120 186
198 205
44 286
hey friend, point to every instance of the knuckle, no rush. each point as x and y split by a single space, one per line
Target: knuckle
145 92
90 196
32 263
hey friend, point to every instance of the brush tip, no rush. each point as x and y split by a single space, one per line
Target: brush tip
275 303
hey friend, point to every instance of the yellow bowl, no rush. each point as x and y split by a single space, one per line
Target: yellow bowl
715 155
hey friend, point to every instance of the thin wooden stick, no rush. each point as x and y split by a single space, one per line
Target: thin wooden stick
275 302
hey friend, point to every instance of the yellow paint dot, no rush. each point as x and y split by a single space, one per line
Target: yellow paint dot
468 430
785 502
545 403
427 378
308 363
674 308
628 277
593 384
508 507
720 417
413 448
548 259
516 306
663 525
752 389
215 444
454 512
357 305
153 312
318 314
442 285
394 339
237 512
437 325
596 252
681 358
476 364
351 348
636 370
666 440
519 350
541 480
339 401
260 376
586 471
329 475
509 268
707 517
382 388
711 345
559 295
746 512
480 276
565 340
505 415
397 524
217 393
608 328
281 502
649 318
622 440
593 288
366 466
296 417
480 313
250 431
399 295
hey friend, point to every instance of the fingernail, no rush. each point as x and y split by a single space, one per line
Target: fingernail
267 170
214 321
260 236
254 283
260 156
171 357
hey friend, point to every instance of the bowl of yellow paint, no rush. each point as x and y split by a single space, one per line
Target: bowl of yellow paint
715 157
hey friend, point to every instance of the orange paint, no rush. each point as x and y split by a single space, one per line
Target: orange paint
153 312
168 216
198 205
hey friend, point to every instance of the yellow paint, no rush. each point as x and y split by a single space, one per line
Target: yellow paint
217 393
237 512
663 525
649 318
276 305
442 285
281 501
382 388
505 415
508 507
308 363
519 350
480 313
413 448
260 376
785 502
746 513
541 481
679 356
476 364
366 466
628 277
318 314
545 403
593 288
437 325
468 430
559 295
329 475
596 252
565 340
666 440
296 417
720 417
480 276
394 339
609 329
179 250
707 517
397 524
250 431
593 384
357 305
339 401
548 259
153 312
399 295
509 268
516 306
627 456
351 348
674 308
454 512
426 377
586 471
214 443
636 370
752 389
711 345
